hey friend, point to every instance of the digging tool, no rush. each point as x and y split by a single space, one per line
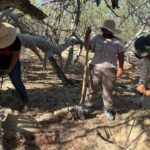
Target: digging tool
81 111
85 75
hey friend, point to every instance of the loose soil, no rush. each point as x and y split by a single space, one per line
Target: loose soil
49 125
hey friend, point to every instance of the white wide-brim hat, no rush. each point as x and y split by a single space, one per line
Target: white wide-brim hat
110 26
7 34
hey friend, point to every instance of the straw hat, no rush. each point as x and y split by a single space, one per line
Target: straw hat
7 34
111 26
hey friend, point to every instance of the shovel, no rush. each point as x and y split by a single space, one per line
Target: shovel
80 109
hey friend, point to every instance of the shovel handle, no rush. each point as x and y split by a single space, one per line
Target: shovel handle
87 47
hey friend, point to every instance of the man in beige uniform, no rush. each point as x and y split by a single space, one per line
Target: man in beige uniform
103 68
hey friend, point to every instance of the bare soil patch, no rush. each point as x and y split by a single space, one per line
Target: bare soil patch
48 125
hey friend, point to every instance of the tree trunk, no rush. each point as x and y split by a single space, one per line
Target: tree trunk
59 71
35 43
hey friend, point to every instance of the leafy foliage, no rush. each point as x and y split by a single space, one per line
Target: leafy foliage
74 16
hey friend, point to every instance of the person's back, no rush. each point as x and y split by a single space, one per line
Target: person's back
106 50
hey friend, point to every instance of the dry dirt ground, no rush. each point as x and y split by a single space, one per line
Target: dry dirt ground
49 125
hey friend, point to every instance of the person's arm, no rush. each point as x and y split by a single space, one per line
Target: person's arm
15 49
120 54
15 57
144 70
121 62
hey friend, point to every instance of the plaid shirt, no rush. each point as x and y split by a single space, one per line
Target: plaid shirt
106 51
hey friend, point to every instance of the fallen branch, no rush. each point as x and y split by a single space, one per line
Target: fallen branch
34 43
103 138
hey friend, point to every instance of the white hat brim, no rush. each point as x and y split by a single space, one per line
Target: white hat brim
8 39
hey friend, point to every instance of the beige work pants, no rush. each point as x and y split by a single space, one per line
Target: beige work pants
100 77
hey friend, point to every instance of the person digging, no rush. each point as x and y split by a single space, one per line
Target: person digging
10 46
103 69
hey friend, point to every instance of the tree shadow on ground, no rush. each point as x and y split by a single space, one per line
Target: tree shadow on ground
53 96
47 94
65 132
57 96
15 136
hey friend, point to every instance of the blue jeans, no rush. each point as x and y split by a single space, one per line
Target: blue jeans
15 76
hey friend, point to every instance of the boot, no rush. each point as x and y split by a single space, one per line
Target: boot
141 88
24 107
110 114
147 92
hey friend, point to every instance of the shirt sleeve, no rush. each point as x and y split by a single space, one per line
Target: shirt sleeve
16 46
120 47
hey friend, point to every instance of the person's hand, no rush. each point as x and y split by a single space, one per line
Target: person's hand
141 88
119 72
147 93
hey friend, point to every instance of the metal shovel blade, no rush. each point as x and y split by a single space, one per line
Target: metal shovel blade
81 112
